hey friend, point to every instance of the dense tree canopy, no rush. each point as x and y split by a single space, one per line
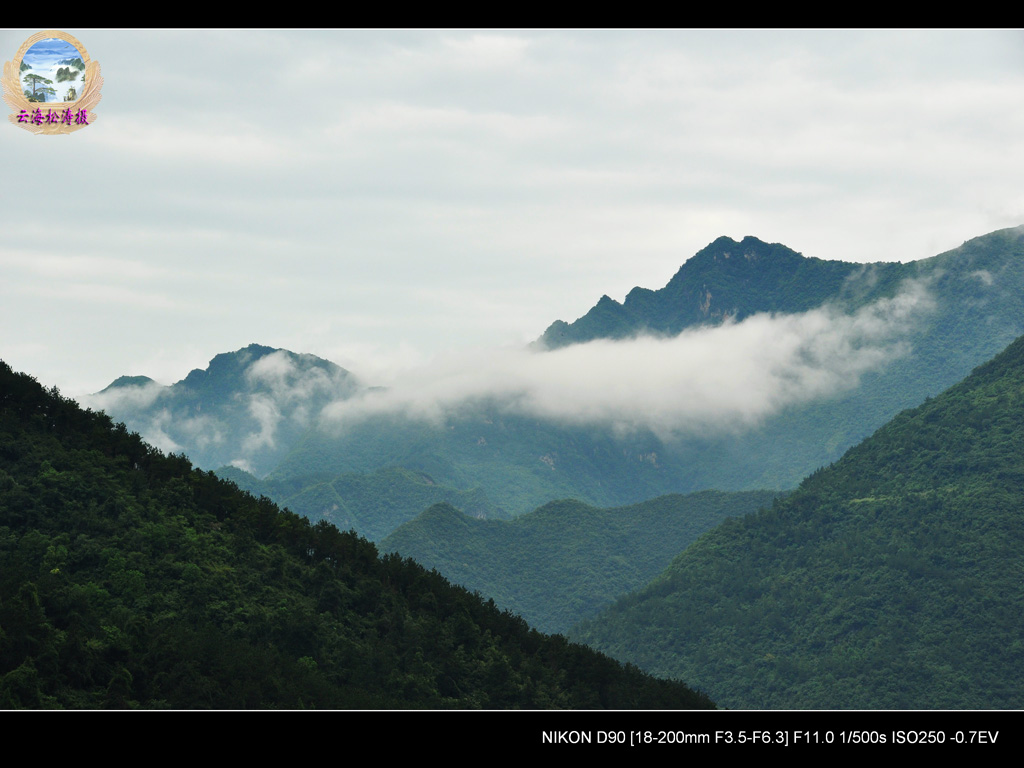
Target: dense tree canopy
129 579
888 580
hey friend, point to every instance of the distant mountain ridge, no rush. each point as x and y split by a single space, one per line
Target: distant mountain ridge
725 280
373 503
975 296
975 306
220 379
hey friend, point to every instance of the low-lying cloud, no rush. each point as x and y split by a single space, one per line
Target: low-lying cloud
727 377
704 381
137 397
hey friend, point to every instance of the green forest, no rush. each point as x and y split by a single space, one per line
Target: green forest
129 579
890 580
566 560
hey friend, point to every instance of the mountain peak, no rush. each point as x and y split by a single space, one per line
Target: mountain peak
749 249
128 381
231 361
249 406
725 279
230 366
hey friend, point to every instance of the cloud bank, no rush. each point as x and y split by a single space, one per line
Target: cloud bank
728 377
704 381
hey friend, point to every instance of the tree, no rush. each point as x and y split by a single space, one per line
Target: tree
35 80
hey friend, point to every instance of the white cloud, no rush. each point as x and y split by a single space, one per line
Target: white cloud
242 464
487 50
265 411
984 276
290 384
64 267
156 435
724 378
204 144
201 431
121 399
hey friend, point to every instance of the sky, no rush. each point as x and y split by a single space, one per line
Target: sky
385 199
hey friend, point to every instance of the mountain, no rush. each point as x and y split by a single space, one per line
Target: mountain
926 324
127 382
971 305
247 408
129 579
891 579
867 341
566 560
725 280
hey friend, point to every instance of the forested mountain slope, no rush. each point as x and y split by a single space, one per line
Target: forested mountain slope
891 579
374 503
129 579
566 560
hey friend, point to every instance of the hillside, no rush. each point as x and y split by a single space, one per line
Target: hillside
566 560
374 503
888 580
519 462
129 579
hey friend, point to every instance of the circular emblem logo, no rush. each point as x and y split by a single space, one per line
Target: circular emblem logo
52 85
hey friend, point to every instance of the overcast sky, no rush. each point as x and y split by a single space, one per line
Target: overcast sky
379 198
